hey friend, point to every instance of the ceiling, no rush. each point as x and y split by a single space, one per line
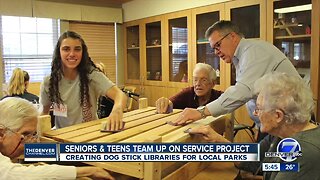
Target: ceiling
104 3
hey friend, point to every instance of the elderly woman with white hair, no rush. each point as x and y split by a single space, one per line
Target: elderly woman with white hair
18 125
284 107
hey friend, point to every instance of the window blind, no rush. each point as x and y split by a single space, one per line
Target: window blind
28 43
100 39
179 47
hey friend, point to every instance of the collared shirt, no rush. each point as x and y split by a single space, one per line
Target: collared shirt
187 98
252 60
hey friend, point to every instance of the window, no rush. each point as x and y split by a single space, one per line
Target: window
180 47
28 43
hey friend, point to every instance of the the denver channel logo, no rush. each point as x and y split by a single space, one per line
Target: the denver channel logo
288 150
40 152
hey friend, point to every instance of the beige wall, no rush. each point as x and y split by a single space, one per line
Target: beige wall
34 88
59 10
64 26
16 7
139 9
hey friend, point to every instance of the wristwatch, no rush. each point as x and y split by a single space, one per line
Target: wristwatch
201 109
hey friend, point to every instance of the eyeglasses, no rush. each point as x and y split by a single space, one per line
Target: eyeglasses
217 45
24 137
257 111
201 80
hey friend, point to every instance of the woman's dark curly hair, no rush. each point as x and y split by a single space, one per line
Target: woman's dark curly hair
85 67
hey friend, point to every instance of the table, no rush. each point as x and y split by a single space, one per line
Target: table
142 125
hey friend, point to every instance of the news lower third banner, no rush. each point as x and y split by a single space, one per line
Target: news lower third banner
40 152
137 152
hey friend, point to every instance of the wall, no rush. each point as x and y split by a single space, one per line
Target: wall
136 9
34 88
58 10
16 7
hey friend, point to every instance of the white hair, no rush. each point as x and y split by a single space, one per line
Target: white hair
288 93
210 71
14 112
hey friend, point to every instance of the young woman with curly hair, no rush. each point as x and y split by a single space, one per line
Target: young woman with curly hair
75 84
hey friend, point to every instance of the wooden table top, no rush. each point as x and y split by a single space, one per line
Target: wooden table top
140 125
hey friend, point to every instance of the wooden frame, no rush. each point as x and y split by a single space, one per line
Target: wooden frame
144 55
315 43
127 79
141 126
315 54
168 17
263 22
202 10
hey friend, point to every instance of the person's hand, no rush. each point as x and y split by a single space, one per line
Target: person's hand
163 104
187 116
208 134
94 173
114 121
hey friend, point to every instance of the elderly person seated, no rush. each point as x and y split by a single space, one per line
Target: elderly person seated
200 94
18 125
284 107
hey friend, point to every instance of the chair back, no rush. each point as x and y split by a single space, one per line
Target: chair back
130 100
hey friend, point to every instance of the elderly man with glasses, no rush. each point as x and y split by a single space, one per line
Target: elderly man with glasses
18 125
200 94
252 59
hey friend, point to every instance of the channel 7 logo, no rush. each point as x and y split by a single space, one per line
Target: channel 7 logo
289 149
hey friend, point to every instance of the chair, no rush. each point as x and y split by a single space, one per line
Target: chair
130 99
251 106
143 103
239 127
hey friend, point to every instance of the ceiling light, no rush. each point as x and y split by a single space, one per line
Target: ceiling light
294 9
